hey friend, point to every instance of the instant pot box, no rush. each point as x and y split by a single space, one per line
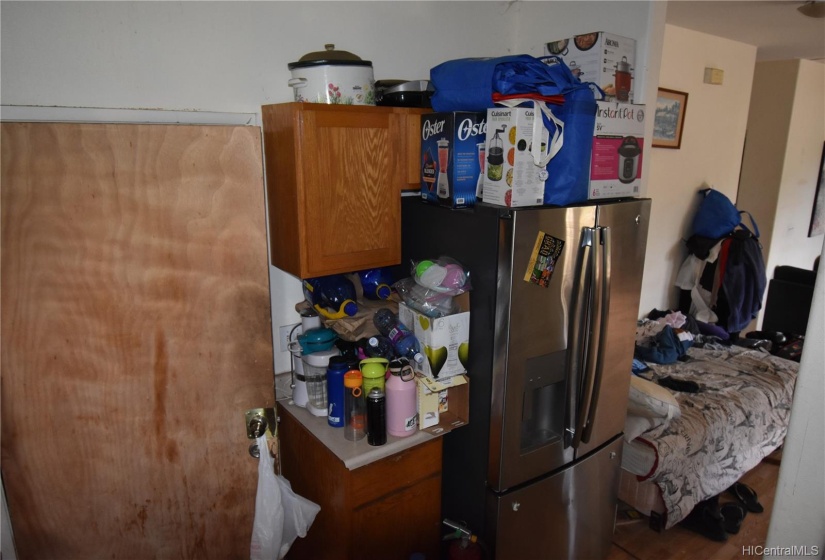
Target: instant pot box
606 59
452 146
445 341
511 178
443 405
618 145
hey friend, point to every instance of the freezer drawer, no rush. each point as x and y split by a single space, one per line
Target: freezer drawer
568 515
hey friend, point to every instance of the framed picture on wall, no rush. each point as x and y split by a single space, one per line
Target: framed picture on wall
669 119
818 214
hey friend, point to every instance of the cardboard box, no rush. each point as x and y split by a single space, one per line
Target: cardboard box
618 146
443 405
603 58
445 341
451 152
511 177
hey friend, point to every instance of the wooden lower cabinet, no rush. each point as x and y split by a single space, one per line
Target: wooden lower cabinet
388 509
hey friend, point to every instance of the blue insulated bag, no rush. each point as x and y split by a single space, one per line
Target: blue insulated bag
569 172
567 106
717 216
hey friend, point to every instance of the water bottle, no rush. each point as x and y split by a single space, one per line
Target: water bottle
338 366
331 296
401 399
380 347
376 283
403 340
355 409
376 417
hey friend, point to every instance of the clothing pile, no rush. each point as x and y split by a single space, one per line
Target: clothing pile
723 280
664 336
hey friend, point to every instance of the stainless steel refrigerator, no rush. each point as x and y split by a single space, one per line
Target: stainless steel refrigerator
554 303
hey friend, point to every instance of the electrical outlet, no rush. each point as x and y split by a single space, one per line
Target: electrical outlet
283 333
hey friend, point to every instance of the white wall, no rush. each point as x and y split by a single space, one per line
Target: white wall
774 87
790 244
786 131
710 153
798 517
232 56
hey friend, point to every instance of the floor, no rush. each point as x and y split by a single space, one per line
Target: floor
635 540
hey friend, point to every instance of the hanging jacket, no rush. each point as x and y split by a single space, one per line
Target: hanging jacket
744 280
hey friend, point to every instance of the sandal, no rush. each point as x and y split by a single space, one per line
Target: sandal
747 496
733 514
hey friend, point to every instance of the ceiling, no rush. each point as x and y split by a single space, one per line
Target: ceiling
775 27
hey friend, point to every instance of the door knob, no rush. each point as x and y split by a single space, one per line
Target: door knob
260 421
257 426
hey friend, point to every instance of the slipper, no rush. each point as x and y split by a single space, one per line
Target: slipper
733 514
747 496
706 520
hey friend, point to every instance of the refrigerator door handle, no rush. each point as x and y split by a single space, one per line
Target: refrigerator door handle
578 335
583 357
604 306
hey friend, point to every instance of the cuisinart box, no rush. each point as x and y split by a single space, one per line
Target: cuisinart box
603 58
452 148
511 177
618 142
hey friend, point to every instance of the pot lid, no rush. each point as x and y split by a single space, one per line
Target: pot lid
329 56
401 86
629 147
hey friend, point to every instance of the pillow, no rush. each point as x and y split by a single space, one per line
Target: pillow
634 426
651 400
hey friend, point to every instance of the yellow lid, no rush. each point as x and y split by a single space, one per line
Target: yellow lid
353 379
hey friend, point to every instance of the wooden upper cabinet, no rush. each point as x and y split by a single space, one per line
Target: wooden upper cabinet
333 176
412 149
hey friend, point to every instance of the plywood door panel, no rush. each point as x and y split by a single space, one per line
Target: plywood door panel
135 333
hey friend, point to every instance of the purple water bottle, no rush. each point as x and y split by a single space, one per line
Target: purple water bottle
403 340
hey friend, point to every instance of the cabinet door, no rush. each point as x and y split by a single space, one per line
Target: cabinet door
333 178
351 170
412 148
400 524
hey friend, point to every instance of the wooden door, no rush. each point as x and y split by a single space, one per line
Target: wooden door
135 333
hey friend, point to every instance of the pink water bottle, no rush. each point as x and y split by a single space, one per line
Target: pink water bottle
402 419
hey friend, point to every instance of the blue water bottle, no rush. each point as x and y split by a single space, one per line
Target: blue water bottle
331 296
338 366
403 340
376 283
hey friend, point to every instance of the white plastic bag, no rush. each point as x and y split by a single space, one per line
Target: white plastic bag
280 514
299 513
268 528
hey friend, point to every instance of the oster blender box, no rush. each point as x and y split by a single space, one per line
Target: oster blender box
618 144
452 157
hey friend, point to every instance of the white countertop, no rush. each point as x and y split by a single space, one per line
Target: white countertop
353 454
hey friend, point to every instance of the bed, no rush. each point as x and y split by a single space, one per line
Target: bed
739 416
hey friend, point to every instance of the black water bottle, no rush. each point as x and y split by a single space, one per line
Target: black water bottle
376 417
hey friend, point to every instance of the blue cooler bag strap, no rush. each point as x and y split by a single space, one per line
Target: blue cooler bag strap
569 171
755 231
556 140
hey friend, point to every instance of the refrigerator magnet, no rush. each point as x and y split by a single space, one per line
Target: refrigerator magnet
546 252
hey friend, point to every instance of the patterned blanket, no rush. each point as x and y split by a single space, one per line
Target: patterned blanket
739 416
